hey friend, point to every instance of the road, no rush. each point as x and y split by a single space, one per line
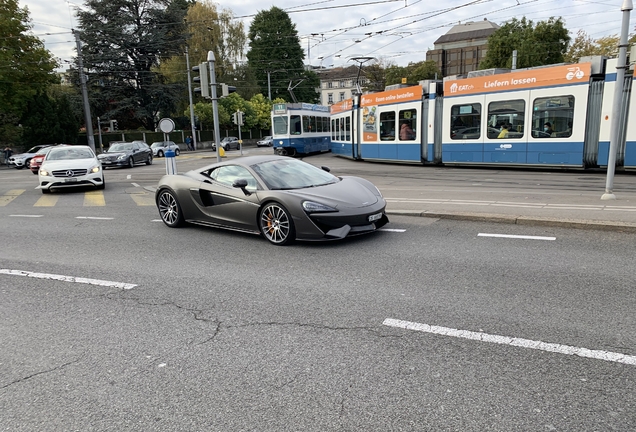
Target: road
112 321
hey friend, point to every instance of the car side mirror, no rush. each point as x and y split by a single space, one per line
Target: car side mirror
326 168
241 184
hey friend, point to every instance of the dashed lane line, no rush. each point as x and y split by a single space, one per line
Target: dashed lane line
121 285
513 341
512 236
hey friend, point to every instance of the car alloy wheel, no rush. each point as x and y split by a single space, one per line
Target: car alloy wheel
131 162
169 209
159 153
149 160
276 224
176 152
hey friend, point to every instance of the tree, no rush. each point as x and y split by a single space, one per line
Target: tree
583 45
27 68
124 42
413 72
275 48
543 44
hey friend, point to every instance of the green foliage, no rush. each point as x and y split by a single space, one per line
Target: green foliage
275 47
123 43
48 121
583 45
27 68
543 44
262 111
413 73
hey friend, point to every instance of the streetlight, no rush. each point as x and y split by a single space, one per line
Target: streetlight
269 86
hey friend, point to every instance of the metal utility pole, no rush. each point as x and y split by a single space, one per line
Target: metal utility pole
99 128
215 105
618 99
87 108
194 135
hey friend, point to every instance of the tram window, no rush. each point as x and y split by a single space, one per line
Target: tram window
280 125
408 125
312 124
387 126
294 125
306 123
333 130
553 117
340 128
465 121
325 124
347 129
507 117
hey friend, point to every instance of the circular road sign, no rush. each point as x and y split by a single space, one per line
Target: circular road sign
166 125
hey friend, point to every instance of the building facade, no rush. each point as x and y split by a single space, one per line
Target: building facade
338 84
462 48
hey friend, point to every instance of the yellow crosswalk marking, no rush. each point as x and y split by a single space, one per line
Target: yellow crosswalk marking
47 201
143 199
94 199
10 196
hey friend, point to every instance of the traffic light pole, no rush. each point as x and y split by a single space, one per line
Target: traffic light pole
194 135
215 105
87 108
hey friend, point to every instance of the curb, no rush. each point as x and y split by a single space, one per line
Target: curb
523 220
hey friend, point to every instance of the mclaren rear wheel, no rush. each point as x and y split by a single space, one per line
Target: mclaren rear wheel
169 209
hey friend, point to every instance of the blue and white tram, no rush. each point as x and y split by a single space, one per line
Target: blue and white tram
300 129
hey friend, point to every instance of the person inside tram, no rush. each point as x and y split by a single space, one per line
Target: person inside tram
504 131
547 128
406 133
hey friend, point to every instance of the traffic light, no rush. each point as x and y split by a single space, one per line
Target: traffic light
202 79
115 125
227 89
237 118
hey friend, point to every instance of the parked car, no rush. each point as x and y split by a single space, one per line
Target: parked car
227 143
37 159
126 154
267 141
22 160
279 197
159 148
70 166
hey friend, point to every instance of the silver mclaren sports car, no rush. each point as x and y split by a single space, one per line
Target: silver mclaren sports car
281 198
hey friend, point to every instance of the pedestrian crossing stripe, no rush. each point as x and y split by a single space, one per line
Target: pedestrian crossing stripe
47 201
10 196
94 199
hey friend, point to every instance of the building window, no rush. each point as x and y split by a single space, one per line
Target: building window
330 84
330 98
342 96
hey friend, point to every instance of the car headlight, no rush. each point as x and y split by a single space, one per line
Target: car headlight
44 173
120 157
314 207
95 169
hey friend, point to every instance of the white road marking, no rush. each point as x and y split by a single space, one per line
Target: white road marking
94 217
136 185
121 285
516 236
513 341
510 204
391 230
27 216
128 177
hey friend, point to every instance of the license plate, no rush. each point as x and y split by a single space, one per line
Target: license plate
375 217
70 180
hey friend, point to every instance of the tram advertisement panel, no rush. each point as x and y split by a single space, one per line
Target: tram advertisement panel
345 105
532 78
371 102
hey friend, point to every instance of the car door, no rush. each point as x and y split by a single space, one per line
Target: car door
226 205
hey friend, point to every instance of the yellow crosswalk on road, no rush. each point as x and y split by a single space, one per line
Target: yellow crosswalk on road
10 196
143 199
47 201
94 199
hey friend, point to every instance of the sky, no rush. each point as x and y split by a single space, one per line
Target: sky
334 32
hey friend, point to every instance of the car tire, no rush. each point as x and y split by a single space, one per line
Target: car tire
149 160
169 209
27 163
160 153
46 191
276 224
131 162
176 152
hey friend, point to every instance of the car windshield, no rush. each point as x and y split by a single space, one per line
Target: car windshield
157 144
69 153
34 149
120 147
292 174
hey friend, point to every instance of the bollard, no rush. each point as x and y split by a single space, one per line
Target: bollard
171 162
